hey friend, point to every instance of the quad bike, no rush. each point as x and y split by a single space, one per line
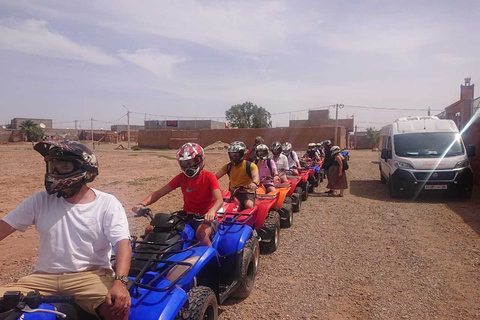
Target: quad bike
295 192
262 217
171 276
283 204
346 154
303 185
316 166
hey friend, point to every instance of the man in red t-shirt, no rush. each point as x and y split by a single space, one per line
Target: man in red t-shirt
201 192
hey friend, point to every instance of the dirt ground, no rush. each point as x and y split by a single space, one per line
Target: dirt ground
364 256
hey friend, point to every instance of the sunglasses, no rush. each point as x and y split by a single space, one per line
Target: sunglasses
57 166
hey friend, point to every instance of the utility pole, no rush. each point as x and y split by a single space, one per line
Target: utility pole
355 137
91 125
128 127
76 124
429 110
335 138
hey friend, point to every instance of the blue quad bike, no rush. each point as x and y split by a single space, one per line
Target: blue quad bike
172 277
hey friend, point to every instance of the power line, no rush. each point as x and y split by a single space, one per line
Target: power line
388 109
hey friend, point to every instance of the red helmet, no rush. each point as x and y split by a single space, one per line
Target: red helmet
69 164
191 159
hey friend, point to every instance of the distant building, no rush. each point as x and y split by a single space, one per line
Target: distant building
124 127
183 124
322 118
462 110
16 122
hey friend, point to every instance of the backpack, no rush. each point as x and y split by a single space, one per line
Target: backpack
345 164
247 167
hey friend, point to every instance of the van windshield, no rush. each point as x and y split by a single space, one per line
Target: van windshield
426 145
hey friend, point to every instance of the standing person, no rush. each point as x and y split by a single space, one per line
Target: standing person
337 178
292 157
281 161
266 168
328 161
78 226
251 152
242 173
200 189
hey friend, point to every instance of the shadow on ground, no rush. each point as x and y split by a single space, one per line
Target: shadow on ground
468 210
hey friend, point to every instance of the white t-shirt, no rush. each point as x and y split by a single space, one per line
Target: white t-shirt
281 162
73 237
292 161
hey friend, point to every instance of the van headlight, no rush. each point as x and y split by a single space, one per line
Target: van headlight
402 165
462 164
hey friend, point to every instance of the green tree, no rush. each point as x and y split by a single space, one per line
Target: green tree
30 129
248 115
373 136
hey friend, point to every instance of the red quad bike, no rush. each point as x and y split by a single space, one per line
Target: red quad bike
295 192
315 172
303 185
283 205
265 219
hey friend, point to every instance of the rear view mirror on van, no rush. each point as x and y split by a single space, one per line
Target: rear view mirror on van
385 154
471 151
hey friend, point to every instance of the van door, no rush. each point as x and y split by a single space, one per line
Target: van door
385 164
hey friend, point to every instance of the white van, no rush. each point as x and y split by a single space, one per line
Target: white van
425 154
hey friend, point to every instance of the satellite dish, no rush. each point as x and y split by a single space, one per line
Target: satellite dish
42 125
3 127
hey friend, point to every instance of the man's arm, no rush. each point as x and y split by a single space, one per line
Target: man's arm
118 297
153 197
220 173
217 195
5 230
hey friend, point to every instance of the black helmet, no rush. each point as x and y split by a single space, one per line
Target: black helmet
277 148
236 151
69 164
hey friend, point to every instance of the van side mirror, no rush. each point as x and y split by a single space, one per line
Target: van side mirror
471 151
385 154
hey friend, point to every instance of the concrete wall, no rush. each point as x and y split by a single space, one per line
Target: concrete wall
16 122
472 137
183 124
299 137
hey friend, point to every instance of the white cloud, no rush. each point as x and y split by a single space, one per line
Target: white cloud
33 37
154 61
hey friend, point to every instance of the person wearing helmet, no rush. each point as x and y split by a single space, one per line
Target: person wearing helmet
312 152
281 161
337 181
328 160
78 226
292 157
200 189
251 152
242 173
266 168
319 148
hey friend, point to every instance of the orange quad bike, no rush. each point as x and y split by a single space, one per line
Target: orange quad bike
283 205
263 217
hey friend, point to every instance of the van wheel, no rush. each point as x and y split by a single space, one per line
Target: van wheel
382 178
393 193
467 195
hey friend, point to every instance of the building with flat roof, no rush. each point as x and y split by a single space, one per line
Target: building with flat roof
183 124
16 122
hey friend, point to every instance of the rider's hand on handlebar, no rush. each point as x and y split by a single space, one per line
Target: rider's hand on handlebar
210 216
252 186
138 207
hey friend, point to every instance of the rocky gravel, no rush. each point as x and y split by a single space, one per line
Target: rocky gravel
364 256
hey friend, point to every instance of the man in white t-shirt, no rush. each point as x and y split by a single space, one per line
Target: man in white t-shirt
281 162
77 226
292 157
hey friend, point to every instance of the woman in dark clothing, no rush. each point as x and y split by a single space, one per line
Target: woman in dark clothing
328 161
337 180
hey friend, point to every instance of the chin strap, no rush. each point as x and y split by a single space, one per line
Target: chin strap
74 190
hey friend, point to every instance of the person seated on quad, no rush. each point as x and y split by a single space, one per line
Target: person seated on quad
312 152
266 168
78 226
281 161
292 157
242 173
251 152
319 149
201 192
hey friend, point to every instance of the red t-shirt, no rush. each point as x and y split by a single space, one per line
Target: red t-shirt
197 191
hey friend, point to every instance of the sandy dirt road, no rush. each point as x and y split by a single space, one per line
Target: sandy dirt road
364 256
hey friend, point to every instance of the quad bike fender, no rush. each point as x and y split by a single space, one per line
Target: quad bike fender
208 258
158 305
231 238
263 208
294 183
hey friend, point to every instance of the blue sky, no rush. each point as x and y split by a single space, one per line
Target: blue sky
74 60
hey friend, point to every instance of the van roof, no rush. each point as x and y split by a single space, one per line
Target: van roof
423 124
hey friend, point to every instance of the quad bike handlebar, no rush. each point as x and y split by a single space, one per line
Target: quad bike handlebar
17 301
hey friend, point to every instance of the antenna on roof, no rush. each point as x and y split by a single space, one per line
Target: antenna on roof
42 125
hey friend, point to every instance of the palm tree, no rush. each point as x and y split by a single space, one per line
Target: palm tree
30 129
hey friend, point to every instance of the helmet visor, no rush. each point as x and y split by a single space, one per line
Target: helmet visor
58 166
262 154
190 163
235 156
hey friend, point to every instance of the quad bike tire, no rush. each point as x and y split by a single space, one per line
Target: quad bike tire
297 204
288 208
271 227
202 304
311 188
248 272
317 180
306 191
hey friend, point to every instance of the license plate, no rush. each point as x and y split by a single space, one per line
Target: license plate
436 187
